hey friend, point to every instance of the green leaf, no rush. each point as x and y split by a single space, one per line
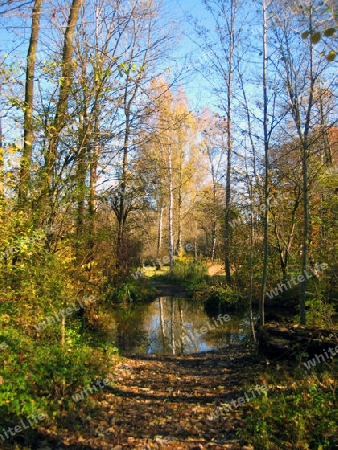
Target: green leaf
305 34
329 32
316 37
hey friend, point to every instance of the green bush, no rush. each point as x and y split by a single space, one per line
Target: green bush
192 274
37 374
304 418
321 311
219 297
131 291
40 378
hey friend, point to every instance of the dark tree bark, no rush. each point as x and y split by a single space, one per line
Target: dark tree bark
2 163
266 168
26 158
64 92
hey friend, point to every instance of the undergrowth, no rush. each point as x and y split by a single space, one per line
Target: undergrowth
299 412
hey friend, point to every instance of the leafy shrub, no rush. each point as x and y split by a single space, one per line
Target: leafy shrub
301 418
320 312
219 297
131 291
37 374
39 377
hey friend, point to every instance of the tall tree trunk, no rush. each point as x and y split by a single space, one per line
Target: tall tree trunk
63 344
81 183
94 159
250 184
251 258
306 234
214 219
179 218
2 162
122 207
83 159
266 168
64 92
26 157
213 240
301 103
227 217
171 207
305 157
252 234
160 231
214 214
227 230
94 148
282 246
61 108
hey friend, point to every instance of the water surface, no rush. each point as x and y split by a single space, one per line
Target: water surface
172 325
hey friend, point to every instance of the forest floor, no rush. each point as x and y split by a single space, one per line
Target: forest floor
165 402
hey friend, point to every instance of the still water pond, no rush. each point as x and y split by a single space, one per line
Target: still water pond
172 325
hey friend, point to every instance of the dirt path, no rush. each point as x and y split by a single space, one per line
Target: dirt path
168 402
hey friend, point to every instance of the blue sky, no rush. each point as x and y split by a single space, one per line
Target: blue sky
181 11
197 88
184 11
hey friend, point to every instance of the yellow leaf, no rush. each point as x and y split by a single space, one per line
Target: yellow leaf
331 56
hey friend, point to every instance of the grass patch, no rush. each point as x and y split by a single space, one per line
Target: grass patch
190 274
151 272
130 291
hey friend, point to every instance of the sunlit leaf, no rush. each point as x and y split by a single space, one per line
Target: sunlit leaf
331 56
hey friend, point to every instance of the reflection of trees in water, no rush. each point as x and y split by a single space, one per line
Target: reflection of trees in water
130 333
170 332
165 333
173 347
180 323
234 332
160 301
173 332
172 325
